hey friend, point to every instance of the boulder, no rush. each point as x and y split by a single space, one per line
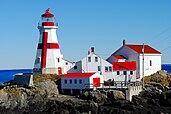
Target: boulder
168 97
3 97
96 96
156 85
13 96
115 95
150 92
49 87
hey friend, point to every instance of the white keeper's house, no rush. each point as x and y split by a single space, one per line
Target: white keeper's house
93 63
134 52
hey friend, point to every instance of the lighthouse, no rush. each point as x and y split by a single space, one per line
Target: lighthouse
49 59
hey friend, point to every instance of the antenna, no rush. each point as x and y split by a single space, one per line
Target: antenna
143 64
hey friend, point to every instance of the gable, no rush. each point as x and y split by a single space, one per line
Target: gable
92 56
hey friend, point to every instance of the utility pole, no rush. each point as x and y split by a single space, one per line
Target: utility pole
143 64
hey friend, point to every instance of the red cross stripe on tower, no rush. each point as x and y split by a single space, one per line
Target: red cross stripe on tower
44 46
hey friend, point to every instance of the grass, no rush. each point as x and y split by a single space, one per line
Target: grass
42 77
159 78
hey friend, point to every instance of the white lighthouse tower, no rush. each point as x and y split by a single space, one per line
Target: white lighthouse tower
49 58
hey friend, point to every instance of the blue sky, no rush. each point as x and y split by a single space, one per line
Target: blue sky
83 24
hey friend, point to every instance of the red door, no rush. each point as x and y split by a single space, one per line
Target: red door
96 82
59 70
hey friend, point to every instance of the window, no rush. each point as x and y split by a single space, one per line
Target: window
58 60
66 63
118 73
106 69
65 81
89 59
80 81
75 67
96 59
37 60
150 62
124 72
75 81
70 81
131 72
99 68
110 69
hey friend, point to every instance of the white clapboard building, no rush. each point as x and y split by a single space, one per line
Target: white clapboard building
93 63
134 52
81 81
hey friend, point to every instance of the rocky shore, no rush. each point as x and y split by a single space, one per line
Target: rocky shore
44 98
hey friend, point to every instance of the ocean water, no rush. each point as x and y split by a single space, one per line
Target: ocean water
7 75
166 67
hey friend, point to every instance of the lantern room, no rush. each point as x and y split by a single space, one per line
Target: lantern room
47 19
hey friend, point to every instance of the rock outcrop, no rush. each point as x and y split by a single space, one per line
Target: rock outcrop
102 97
44 98
19 97
159 77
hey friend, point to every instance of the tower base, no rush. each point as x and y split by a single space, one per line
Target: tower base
57 71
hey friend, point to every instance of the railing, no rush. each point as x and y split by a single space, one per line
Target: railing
114 85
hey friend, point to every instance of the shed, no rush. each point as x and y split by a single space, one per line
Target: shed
81 81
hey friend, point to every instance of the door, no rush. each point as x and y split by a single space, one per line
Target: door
59 70
96 82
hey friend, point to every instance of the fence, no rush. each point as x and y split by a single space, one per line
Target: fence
114 85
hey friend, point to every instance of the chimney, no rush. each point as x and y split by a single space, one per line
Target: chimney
92 49
88 52
124 42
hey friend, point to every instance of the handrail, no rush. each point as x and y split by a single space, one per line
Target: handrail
116 84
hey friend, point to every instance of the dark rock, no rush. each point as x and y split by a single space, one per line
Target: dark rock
155 85
115 95
153 102
96 96
167 97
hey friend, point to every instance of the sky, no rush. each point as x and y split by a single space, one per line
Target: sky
83 24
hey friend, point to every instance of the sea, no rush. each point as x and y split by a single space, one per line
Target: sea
167 67
7 75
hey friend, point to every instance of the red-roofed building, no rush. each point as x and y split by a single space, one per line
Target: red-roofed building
132 52
80 81
124 71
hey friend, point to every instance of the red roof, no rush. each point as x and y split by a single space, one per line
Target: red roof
124 65
78 75
47 13
147 49
118 57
